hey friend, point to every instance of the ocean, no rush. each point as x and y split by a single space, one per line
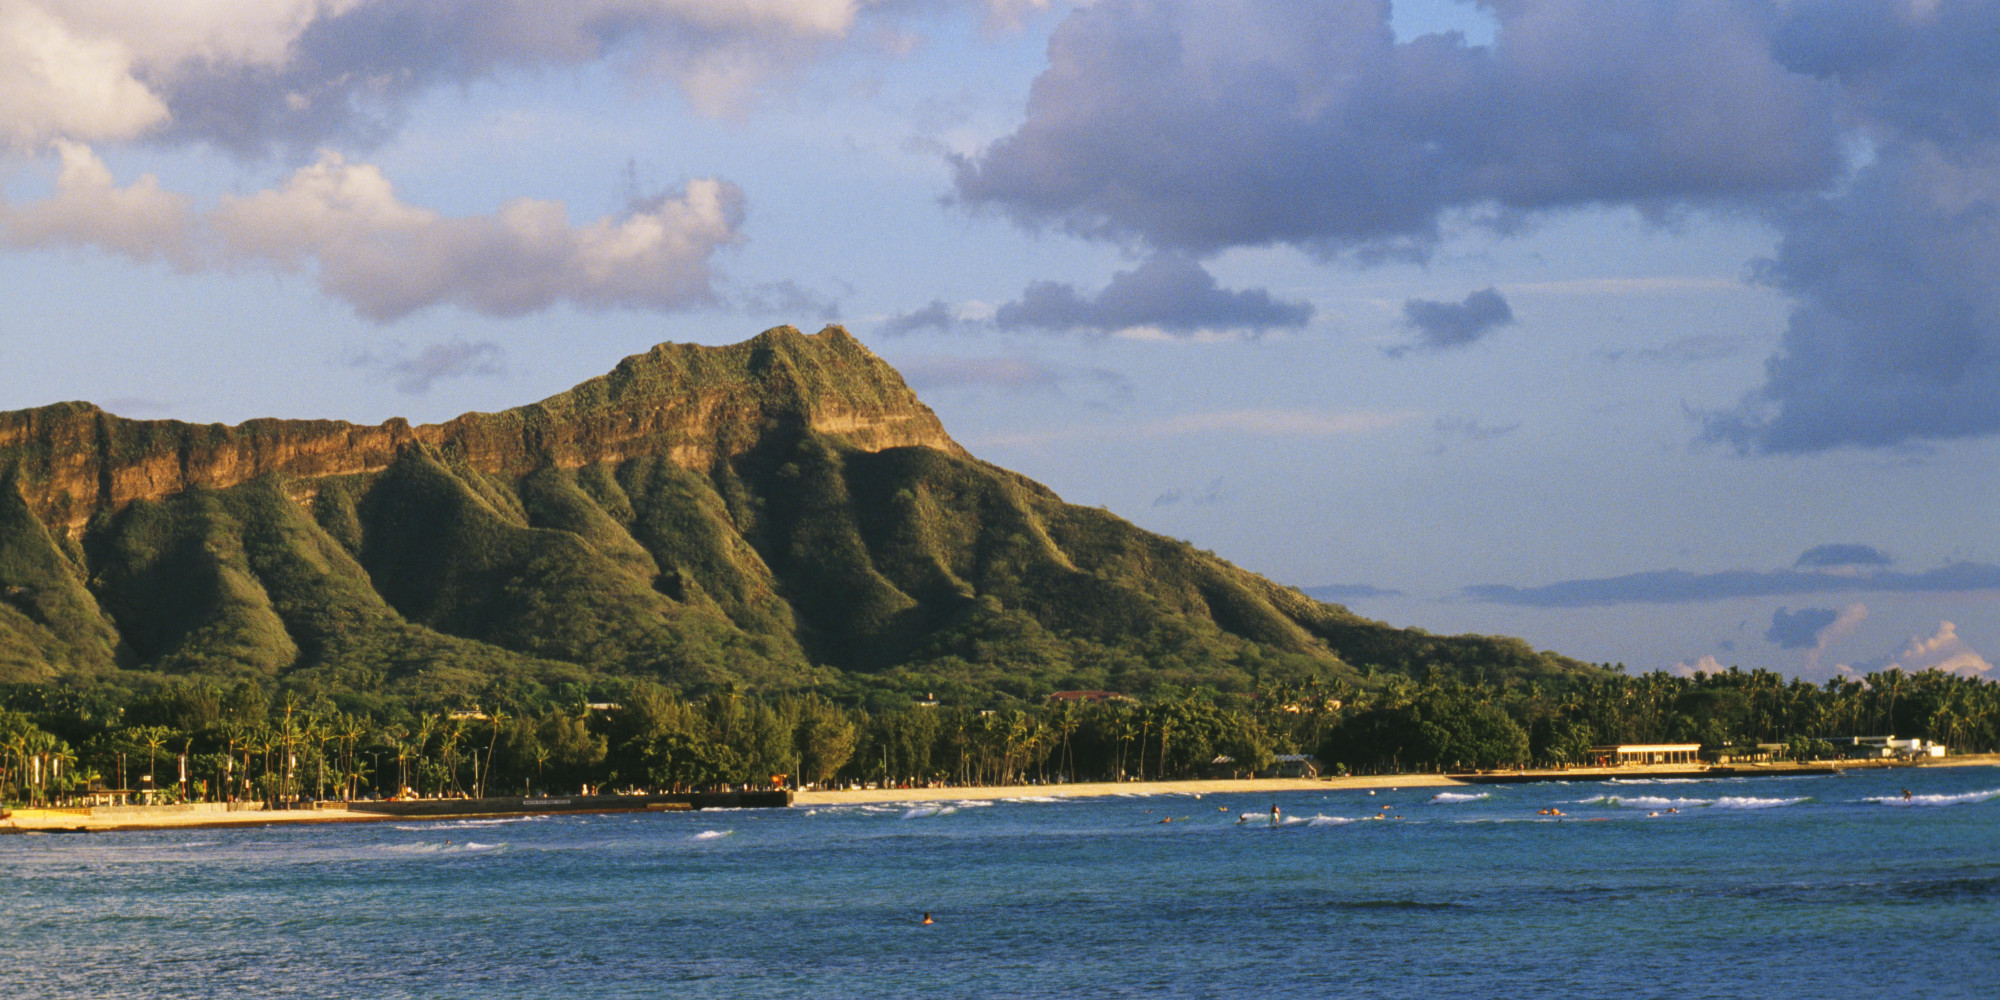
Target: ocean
1753 888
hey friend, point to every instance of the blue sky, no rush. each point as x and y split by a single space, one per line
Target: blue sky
1660 335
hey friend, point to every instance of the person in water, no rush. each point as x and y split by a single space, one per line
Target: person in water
927 918
1274 814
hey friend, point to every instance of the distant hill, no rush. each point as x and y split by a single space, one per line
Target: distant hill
777 514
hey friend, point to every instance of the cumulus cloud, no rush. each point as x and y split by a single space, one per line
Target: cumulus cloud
451 359
1680 586
1204 124
88 208
1706 664
388 258
1868 134
300 73
1444 325
1840 554
344 222
1169 294
59 83
1942 650
1799 629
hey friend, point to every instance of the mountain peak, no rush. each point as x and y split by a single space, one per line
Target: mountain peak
691 403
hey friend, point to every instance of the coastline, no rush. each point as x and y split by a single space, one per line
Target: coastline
1101 789
210 816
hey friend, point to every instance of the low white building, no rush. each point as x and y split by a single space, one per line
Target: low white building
1886 747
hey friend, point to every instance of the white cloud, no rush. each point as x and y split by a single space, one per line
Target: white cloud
88 208
387 258
161 37
56 83
247 74
1707 664
1844 624
1942 650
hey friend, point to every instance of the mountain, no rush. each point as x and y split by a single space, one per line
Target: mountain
775 514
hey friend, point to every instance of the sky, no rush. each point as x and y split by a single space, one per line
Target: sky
1664 334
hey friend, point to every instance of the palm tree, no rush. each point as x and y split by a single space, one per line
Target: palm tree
498 719
154 741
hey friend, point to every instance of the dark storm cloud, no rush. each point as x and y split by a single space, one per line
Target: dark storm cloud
1442 325
1168 293
1799 629
1679 586
1200 126
1841 554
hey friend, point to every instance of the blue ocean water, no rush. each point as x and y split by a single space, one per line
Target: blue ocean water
1759 888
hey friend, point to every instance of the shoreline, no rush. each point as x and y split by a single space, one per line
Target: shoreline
144 818
1133 789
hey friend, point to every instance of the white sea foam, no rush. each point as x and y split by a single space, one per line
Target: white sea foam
1645 802
928 811
470 824
1748 802
712 834
1964 798
1450 798
1329 821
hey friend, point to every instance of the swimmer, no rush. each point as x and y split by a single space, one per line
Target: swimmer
1671 809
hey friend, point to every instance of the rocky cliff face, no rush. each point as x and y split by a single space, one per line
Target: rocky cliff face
697 405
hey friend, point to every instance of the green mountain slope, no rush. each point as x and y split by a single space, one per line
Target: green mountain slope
777 514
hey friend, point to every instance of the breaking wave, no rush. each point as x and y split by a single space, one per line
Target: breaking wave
1964 798
1449 798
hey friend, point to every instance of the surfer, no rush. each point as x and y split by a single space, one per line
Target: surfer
927 919
1274 814
1906 795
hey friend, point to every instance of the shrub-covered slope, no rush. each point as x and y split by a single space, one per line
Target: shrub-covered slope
776 514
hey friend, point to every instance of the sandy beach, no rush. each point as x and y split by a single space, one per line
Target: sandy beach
1092 789
126 818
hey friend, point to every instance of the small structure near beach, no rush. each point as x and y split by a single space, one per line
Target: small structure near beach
1884 747
1620 754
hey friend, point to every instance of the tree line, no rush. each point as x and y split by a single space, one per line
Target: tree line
193 741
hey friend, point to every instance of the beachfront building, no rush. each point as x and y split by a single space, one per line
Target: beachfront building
1620 754
1292 765
1884 747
